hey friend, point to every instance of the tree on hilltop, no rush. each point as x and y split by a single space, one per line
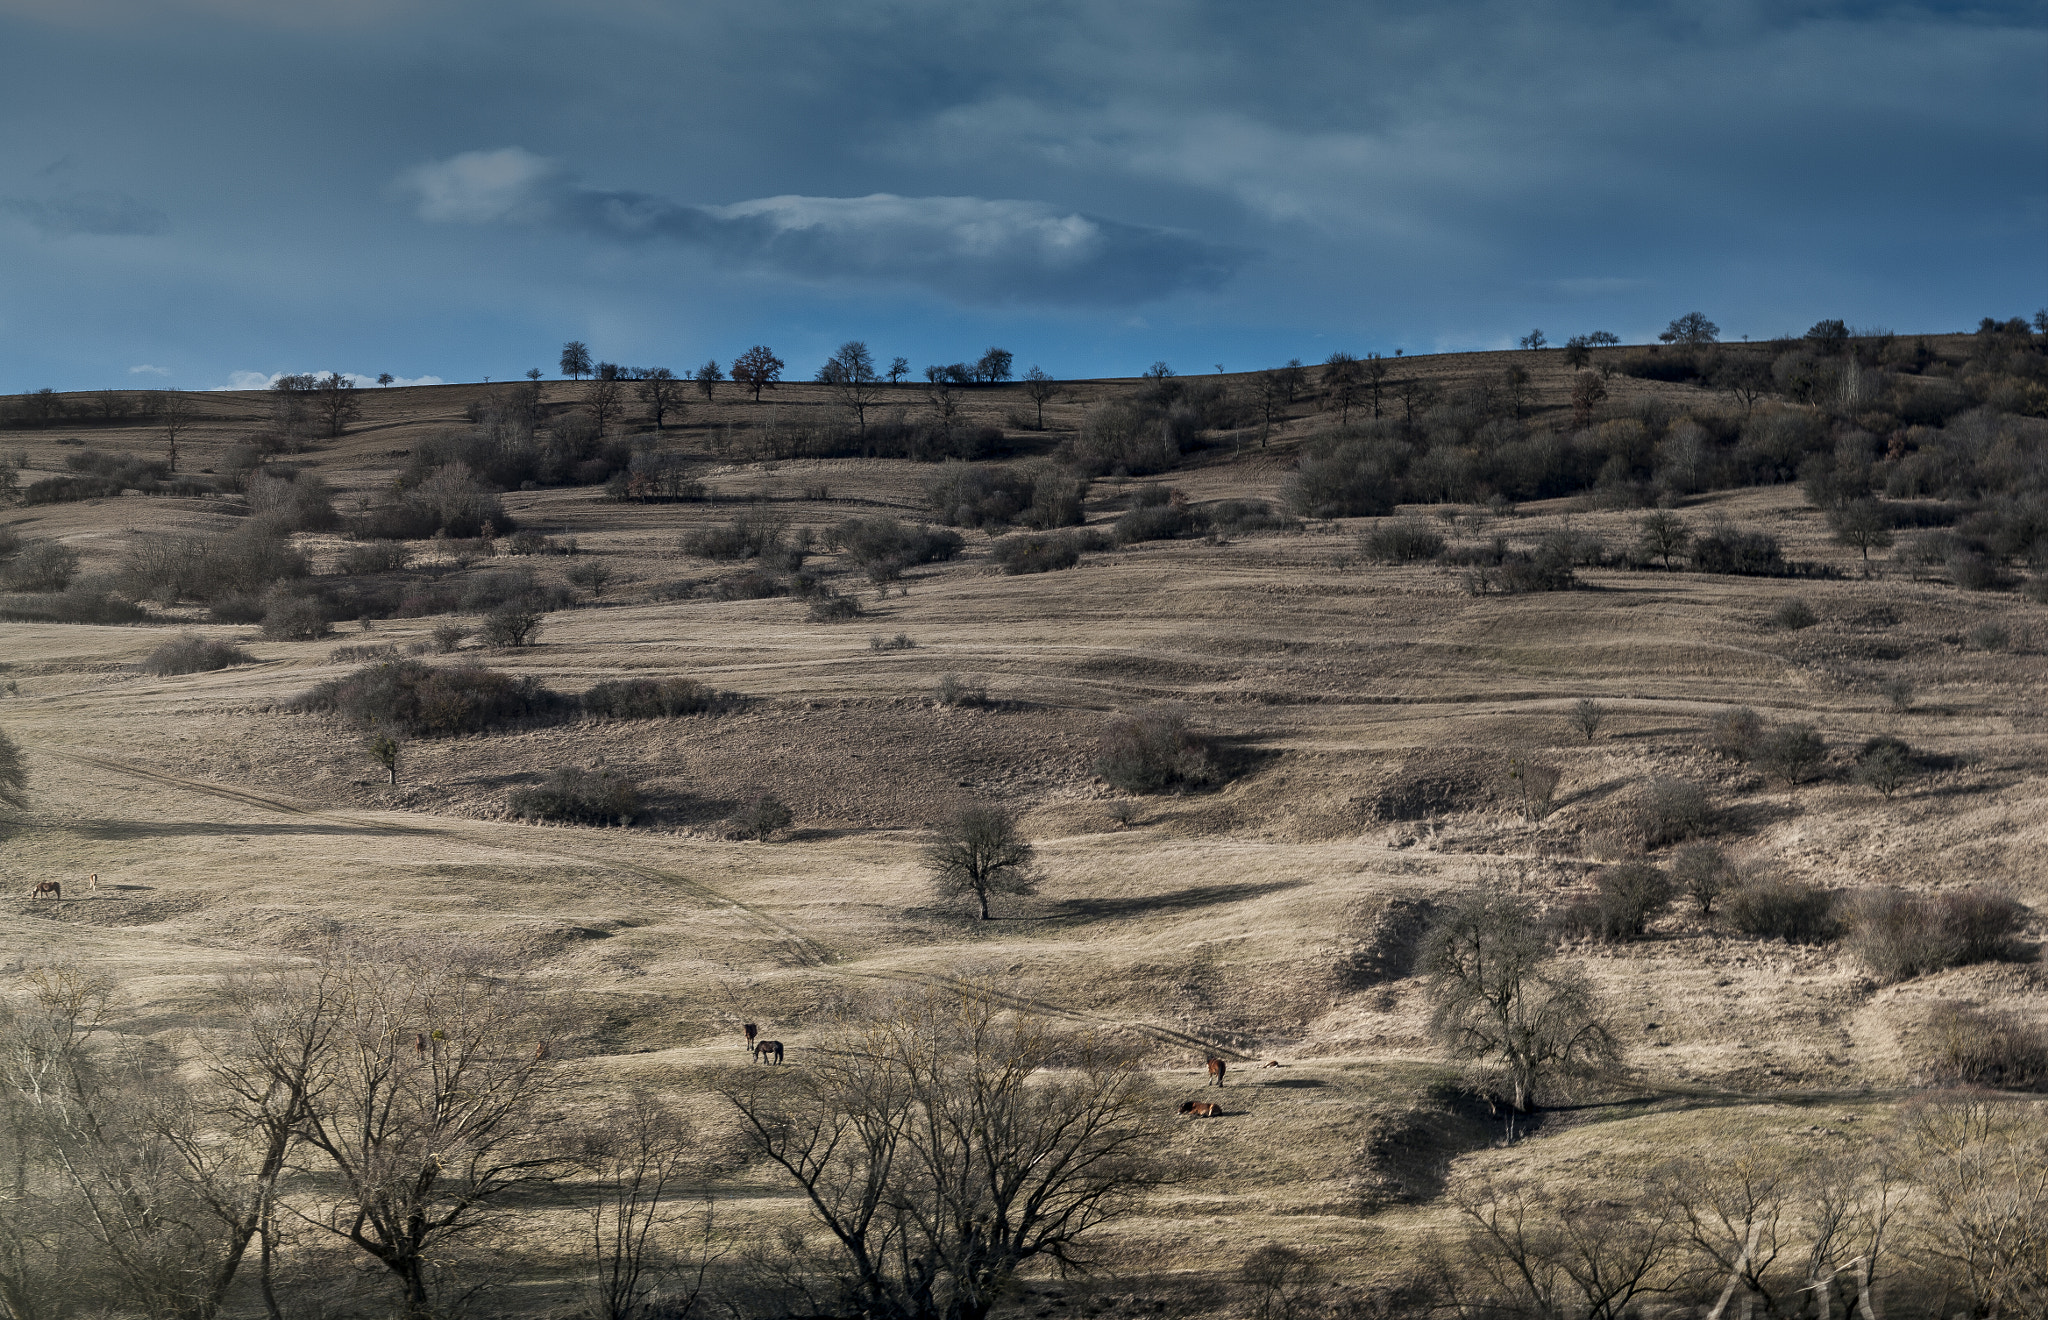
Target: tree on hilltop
575 359
1693 329
757 369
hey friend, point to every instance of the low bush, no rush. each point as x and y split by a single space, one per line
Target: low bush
1348 479
1534 785
1750 554
69 490
1521 573
1988 637
189 653
756 534
1626 899
374 557
590 797
900 642
1899 936
1045 553
362 653
592 575
1972 1047
39 566
761 817
831 607
286 501
1793 614
1783 910
427 599
1884 763
1159 522
955 691
1703 873
1155 751
651 699
1042 495
449 637
76 604
296 619
528 542
1973 572
242 607
425 701
884 547
511 624
1401 541
1238 517
754 584
1736 734
1794 753
1671 811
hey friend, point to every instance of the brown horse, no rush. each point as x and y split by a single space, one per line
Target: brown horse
752 1031
1200 1110
765 1048
54 888
1216 1069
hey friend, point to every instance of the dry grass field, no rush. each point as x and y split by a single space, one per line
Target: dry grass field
1367 714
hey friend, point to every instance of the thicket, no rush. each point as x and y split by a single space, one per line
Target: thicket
427 701
1899 936
1237 517
1040 495
1975 1047
38 566
590 797
1783 910
1402 541
450 499
283 500
78 603
189 653
1626 898
652 699
883 547
209 568
1156 750
755 534
1045 552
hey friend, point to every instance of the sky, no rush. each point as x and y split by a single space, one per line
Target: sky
207 193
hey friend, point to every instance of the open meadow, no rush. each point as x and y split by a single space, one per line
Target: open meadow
1383 704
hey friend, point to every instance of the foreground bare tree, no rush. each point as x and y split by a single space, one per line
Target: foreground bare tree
943 1143
648 1257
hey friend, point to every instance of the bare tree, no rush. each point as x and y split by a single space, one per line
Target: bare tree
1693 330
13 775
606 401
1586 716
980 852
575 359
757 369
1341 380
334 398
1663 534
851 374
661 392
1271 393
1375 371
648 1258
1984 1172
707 378
1533 340
1589 391
1861 525
899 367
1563 1254
441 1058
945 1143
1498 996
1041 389
993 367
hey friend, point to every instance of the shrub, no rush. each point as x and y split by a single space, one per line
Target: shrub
375 557
296 619
67 490
591 575
533 543
1793 614
1586 716
1156 750
1793 753
1535 785
1237 517
511 624
1159 522
76 604
1349 479
424 701
952 690
1704 873
1987 637
650 699
831 607
1783 910
1401 541
449 498
1899 936
1974 572
1897 692
291 501
1627 898
189 653
590 797
1045 553
1752 554
448 636
1670 811
1884 764
1736 734
756 534
40 566
751 585
1041 495
900 642
1519 573
362 654
884 547
238 608
1977 1048
760 818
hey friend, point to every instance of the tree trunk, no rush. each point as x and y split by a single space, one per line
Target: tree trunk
982 894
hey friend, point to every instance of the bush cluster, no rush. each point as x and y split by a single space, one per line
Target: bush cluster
651 699
189 653
1783 910
1046 552
986 495
590 797
1899 936
1973 1047
38 566
1238 517
1154 751
1401 541
77 603
883 547
425 701
1626 899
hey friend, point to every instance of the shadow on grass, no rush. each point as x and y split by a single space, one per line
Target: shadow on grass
1187 899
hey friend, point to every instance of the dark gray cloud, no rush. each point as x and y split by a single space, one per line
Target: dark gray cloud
107 213
984 250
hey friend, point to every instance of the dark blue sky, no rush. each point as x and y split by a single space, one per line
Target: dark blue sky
207 192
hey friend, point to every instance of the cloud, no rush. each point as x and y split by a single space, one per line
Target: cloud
146 370
970 248
104 213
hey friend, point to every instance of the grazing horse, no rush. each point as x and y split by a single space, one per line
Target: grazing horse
752 1031
1200 1110
93 881
54 888
419 1042
762 1049
1216 1069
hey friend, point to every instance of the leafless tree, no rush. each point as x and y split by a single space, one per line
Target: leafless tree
757 369
943 1143
575 359
606 400
1342 383
648 1257
1041 389
979 852
1586 716
661 392
1983 1169
851 374
707 378
1375 372
334 398
1568 1254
